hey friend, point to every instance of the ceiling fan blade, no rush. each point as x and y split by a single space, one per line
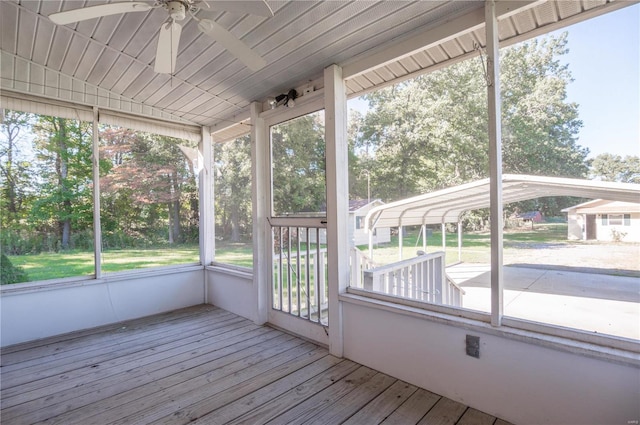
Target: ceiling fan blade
76 15
167 50
256 7
234 45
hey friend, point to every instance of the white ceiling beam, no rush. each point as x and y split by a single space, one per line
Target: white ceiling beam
432 36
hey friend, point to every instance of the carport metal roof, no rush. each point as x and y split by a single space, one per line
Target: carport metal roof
447 205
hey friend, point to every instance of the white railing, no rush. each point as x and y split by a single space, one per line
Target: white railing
359 262
300 273
422 278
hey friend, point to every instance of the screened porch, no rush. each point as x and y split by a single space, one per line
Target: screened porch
201 328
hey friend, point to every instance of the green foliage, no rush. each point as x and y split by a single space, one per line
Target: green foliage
64 204
233 190
298 151
614 168
150 193
148 190
10 273
539 126
431 132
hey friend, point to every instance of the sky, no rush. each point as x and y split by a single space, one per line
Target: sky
604 60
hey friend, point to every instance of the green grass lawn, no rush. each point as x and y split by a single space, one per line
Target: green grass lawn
54 265
476 248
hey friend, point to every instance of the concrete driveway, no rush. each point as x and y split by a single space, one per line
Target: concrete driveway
590 301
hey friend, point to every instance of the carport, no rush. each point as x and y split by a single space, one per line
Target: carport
447 205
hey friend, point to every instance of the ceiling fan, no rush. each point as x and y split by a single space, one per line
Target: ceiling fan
170 30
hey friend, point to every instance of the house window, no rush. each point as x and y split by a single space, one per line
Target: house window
627 219
359 222
615 219
603 217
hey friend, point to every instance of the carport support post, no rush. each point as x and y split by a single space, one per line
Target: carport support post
443 226
495 160
459 241
400 242
424 238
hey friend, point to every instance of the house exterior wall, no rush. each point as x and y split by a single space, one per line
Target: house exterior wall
628 233
604 220
575 227
521 382
356 236
360 237
604 232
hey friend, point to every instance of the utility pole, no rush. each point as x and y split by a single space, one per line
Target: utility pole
368 184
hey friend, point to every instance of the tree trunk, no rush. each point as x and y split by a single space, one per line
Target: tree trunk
235 224
62 169
175 222
10 181
170 226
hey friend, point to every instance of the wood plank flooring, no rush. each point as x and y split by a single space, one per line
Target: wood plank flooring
204 365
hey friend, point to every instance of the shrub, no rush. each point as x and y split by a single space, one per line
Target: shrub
617 236
10 273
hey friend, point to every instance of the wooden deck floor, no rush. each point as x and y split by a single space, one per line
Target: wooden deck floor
204 365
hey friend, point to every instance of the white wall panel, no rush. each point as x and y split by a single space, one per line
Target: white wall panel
520 382
29 315
232 291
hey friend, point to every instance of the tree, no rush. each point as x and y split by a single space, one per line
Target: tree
431 132
15 175
14 167
298 151
63 148
233 188
148 187
540 127
614 168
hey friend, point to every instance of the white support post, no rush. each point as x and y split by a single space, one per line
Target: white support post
443 228
97 229
460 241
207 213
371 244
400 242
495 161
261 181
424 238
335 102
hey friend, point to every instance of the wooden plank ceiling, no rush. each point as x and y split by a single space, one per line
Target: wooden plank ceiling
108 62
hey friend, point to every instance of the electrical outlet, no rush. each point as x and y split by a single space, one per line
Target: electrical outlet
473 346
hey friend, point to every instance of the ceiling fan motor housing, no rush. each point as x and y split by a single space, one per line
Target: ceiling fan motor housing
176 9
